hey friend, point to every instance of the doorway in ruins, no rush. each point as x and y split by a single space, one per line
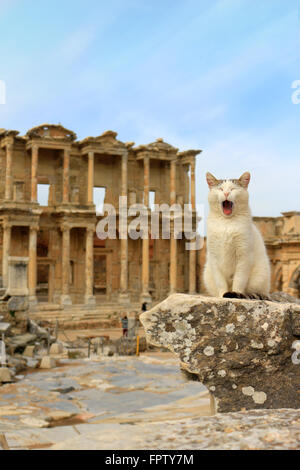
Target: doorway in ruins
42 288
77 280
100 276
102 289
43 281
19 241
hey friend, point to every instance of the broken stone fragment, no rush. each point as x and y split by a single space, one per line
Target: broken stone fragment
29 351
33 422
17 363
56 349
47 362
17 303
32 363
20 341
108 350
59 415
5 375
245 364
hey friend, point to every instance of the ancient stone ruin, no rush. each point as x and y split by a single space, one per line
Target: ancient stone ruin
49 208
244 352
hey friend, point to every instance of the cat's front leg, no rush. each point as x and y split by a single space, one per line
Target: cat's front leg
218 277
242 273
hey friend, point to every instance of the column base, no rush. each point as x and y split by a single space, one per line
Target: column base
65 300
172 292
32 301
90 300
56 297
124 299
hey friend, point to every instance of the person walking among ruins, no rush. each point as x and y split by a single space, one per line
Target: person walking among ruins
125 325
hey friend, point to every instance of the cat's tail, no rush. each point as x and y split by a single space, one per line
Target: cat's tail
282 297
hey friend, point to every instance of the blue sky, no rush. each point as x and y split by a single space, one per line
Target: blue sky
208 74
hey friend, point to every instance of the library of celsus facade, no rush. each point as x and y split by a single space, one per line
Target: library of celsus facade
55 239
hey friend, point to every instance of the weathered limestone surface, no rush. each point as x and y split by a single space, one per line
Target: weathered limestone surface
241 350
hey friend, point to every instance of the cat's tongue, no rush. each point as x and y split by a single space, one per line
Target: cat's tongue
227 207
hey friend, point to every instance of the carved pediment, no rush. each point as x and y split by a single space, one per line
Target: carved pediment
104 142
158 146
157 149
8 132
51 132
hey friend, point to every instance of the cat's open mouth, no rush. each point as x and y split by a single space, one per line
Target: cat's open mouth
227 207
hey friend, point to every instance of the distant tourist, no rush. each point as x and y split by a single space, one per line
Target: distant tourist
125 325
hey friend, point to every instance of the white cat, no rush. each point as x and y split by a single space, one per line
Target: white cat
237 264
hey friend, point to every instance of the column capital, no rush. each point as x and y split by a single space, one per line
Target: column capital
65 227
125 156
7 225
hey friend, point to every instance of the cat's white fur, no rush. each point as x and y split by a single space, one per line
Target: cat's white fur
236 255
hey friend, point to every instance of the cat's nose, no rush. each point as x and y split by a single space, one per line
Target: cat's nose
226 195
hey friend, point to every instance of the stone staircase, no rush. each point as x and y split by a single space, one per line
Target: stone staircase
81 316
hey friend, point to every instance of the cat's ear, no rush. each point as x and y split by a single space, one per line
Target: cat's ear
211 180
245 180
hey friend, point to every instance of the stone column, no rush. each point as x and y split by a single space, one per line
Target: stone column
89 267
34 167
173 241
90 196
65 275
145 296
32 265
124 296
8 173
192 253
66 177
193 192
6 252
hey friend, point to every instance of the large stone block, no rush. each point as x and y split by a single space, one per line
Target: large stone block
5 375
241 350
47 362
56 349
17 303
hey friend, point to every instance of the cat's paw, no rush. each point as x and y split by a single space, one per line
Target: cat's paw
234 295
